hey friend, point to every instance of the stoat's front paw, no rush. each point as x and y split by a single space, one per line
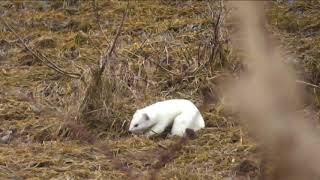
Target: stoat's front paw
148 134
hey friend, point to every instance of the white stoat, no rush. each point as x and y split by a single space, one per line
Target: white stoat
155 118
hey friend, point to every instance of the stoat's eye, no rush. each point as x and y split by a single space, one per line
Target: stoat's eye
136 125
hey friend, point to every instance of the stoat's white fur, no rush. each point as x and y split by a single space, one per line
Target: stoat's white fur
155 118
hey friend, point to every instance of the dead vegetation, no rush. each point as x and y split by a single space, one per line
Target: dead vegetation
64 116
273 115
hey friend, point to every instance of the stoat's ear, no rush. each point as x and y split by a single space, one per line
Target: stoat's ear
146 116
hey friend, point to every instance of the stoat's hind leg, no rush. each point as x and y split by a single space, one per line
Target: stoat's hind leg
156 130
180 124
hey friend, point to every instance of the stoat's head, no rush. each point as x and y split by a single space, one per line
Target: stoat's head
140 122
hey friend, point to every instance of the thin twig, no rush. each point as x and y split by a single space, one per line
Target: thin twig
216 41
38 55
106 57
162 146
307 83
96 10
216 45
167 54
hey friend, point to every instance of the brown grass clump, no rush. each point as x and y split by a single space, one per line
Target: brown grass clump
97 106
95 103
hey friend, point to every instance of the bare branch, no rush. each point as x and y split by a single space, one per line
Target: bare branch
112 47
40 56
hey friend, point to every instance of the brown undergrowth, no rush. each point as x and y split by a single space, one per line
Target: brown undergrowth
167 49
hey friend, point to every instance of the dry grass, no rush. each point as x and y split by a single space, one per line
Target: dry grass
164 51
